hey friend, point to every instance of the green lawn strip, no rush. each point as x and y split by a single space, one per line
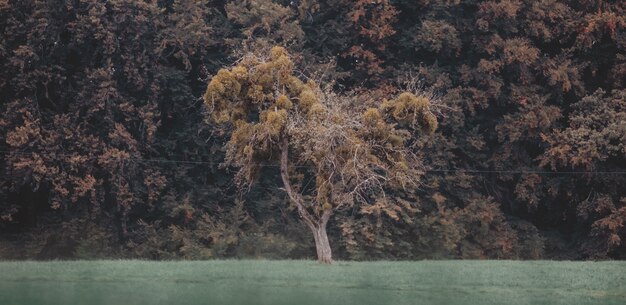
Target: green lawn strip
306 282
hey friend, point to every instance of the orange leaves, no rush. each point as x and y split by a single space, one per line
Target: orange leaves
563 74
365 60
611 229
149 115
438 36
614 241
121 136
19 136
528 189
356 15
596 25
533 117
519 51
155 182
609 22
489 66
610 223
265 21
83 88
372 22
374 19
188 32
82 186
382 206
486 225
596 132
439 199
26 133
503 9
113 157
24 56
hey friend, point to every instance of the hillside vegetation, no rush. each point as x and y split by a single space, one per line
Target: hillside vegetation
107 149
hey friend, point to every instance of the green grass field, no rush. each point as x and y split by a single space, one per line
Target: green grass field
306 282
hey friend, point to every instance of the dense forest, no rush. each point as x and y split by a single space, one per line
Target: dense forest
109 150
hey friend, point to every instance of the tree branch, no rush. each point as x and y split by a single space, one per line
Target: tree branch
284 174
325 217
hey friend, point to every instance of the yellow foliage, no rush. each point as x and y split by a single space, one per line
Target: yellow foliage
248 151
395 140
249 61
307 99
221 117
255 94
371 116
277 118
240 72
242 133
277 52
238 113
317 110
281 63
409 109
408 104
401 166
223 85
241 124
294 85
275 121
325 134
429 123
284 67
262 75
283 102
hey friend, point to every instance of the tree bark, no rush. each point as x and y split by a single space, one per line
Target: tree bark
322 245
324 252
317 226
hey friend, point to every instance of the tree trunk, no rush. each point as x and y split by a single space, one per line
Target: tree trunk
316 224
322 245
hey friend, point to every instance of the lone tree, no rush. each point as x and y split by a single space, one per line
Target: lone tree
333 151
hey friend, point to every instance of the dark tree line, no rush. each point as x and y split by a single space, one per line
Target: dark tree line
108 150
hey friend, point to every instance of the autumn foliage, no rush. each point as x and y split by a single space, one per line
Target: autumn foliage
108 150
349 158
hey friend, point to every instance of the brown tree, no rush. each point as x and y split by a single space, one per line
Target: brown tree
332 151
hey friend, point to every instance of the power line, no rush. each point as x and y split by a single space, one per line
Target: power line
473 171
435 170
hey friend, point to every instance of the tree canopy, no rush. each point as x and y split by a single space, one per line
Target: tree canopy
349 156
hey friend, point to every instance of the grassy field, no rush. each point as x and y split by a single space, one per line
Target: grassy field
306 282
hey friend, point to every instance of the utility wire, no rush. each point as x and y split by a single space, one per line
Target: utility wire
435 170
473 171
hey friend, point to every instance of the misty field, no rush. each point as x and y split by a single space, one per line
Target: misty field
306 282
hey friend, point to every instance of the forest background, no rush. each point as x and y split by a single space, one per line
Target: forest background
106 150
